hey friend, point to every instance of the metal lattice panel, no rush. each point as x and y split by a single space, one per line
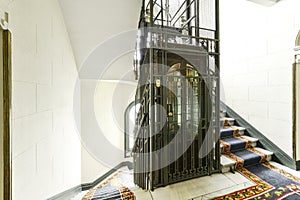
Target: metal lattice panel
177 65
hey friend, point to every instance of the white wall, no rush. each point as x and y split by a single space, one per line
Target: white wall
257 55
89 24
46 148
110 99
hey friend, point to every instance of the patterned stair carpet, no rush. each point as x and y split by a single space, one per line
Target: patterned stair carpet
239 148
270 183
116 187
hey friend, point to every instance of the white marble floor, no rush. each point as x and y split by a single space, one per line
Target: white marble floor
199 189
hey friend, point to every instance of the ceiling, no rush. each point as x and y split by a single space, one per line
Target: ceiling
92 22
265 2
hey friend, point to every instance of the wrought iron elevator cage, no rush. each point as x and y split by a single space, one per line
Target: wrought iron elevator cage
177 66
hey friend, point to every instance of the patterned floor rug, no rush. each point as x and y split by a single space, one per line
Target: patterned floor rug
271 183
116 187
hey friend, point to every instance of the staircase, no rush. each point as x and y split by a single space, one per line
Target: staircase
238 149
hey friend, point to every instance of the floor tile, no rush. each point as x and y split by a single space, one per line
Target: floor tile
228 190
142 194
236 177
193 188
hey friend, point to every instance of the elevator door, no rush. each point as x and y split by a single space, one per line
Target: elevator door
186 118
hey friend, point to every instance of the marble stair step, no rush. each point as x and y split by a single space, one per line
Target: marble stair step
228 164
229 131
251 139
241 129
223 114
268 153
227 121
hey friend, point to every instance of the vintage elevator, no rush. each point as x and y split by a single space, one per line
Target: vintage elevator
177 67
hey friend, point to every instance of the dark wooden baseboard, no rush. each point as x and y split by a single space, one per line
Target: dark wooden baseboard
86 186
279 155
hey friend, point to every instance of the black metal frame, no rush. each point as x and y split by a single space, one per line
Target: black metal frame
6 67
162 42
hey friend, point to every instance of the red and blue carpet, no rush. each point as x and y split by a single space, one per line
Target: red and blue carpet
271 183
114 188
